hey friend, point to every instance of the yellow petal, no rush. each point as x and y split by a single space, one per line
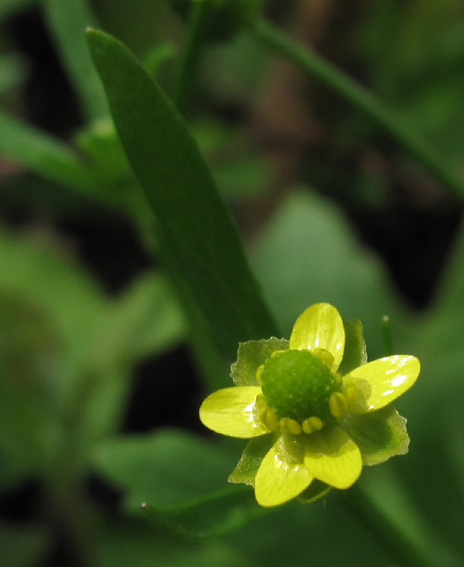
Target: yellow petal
232 411
333 457
382 381
320 326
281 476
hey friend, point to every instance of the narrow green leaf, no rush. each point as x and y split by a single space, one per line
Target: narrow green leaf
168 469
68 22
42 154
212 516
201 244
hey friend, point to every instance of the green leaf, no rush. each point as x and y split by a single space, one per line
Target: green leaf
68 22
200 242
145 320
181 478
43 154
137 543
212 516
167 468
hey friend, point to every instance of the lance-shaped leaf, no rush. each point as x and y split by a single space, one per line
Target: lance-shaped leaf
200 242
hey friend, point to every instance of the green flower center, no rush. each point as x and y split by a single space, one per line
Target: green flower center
296 384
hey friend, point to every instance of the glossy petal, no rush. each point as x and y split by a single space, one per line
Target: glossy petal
232 412
382 381
282 475
333 457
320 326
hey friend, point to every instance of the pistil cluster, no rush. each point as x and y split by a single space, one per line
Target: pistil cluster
300 393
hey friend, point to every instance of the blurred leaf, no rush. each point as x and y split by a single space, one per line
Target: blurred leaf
13 71
321 533
158 56
43 154
167 468
308 254
22 546
201 245
212 516
9 7
68 22
29 363
138 544
145 320
181 480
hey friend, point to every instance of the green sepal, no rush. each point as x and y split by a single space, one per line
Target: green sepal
251 458
317 489
250 356
379 435
355 347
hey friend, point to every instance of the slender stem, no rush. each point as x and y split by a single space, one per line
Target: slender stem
190 57
387 338
393 539
361 99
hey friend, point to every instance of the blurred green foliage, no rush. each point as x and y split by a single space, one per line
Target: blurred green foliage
71 352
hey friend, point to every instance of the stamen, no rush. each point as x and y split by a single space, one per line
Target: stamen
294 427
261 401
259 373
283 424
338 404
271 420
351 393
324 355
312 424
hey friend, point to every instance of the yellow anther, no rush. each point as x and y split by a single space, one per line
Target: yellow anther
338 405
294 427
351 393
271 420
262 412
276 352
312 424
259 373
338 378
324 355
283 424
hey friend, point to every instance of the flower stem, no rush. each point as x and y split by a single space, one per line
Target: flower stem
361 99
190 57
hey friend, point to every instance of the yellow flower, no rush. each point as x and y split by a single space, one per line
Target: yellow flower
314 409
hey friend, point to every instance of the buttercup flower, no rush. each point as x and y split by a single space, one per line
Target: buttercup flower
315 410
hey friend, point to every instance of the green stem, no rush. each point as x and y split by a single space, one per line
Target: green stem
361 99
387 339
190 57
391 536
